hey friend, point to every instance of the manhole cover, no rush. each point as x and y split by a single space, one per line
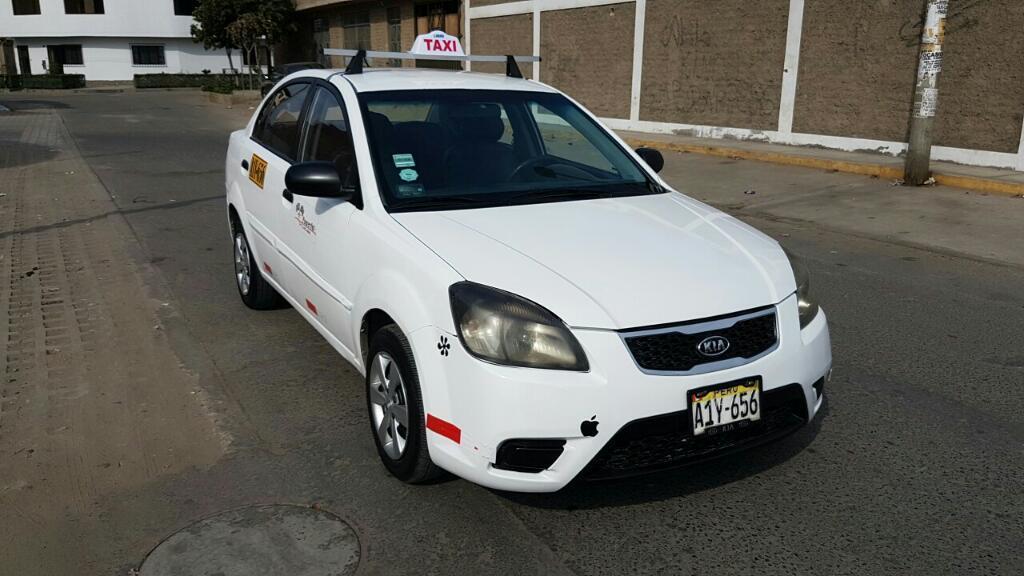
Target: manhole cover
274 540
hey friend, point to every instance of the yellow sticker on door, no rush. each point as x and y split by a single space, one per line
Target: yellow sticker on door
257 170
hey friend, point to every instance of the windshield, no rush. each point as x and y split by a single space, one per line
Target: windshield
451 149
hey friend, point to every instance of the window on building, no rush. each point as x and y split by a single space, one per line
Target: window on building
83 6
439 16
357 31
185 7
26 7
395 33
143 55
70 54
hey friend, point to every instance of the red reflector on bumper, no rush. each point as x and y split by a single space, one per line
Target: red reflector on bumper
446 429
311 307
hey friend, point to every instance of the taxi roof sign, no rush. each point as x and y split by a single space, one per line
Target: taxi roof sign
436 45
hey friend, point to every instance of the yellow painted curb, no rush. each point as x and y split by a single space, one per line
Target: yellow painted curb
888 172
980 184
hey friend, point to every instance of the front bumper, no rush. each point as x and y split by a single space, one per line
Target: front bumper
491 404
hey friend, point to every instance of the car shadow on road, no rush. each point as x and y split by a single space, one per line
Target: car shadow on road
18 105
676 483
95 218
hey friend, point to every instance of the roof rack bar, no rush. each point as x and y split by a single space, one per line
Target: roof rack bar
355 66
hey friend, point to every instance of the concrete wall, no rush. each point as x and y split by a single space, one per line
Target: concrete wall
831 73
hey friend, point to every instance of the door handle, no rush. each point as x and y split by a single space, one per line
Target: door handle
288 195
245 165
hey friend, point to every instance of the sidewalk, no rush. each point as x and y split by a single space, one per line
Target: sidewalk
979 179
939 218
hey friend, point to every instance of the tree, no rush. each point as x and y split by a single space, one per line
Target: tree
212 18
246 33
242 23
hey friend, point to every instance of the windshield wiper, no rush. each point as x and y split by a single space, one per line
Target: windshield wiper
439 202
601 190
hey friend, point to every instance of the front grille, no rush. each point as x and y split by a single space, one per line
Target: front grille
667 441
674 349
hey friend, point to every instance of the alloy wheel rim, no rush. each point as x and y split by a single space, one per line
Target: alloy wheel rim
389 407
242 273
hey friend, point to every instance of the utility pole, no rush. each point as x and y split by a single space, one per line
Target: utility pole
926 94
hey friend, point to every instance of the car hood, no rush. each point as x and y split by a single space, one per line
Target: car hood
613 263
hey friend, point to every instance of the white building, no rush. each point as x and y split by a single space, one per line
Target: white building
105 39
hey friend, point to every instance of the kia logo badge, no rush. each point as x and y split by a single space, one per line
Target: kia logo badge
713 346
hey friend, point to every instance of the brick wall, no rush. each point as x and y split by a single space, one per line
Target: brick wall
714 63
721 63
503 35
600 76
858 62
981 102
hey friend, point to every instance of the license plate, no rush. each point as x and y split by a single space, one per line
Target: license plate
725 406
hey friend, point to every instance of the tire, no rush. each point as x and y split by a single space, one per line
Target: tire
256 293
391 355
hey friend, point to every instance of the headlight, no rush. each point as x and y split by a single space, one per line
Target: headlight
807 306
503 328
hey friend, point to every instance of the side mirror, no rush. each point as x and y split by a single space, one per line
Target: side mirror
319 180
652 157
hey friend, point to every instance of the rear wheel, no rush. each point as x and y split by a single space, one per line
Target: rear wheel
396 408
256 293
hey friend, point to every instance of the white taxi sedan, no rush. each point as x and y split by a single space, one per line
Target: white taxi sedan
528 301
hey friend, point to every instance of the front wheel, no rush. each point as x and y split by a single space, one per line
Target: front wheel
396 408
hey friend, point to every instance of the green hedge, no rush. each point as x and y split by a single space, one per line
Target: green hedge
10 82
180 80
220 86
43 81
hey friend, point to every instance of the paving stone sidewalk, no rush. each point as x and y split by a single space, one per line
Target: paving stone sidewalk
84 359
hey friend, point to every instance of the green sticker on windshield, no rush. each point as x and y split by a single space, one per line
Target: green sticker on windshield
403 160
408 175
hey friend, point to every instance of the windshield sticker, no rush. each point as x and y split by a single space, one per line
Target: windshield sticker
411 190
409 175
403 160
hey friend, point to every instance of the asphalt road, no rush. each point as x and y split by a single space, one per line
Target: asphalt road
915 466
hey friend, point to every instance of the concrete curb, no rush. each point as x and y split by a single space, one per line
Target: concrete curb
889 172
